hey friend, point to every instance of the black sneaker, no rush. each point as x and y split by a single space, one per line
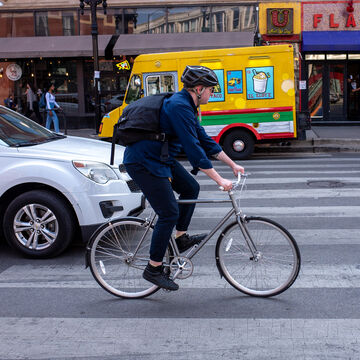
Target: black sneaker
156 275
185 242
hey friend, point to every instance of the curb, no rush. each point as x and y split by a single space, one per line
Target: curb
311 146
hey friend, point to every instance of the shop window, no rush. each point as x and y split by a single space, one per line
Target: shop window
335 56
354 56
315 57
315 86
41 24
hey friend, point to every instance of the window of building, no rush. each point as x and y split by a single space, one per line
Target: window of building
145 20
41 24
315 57
21 24
235 17
185 26
335 56
186 19
68 20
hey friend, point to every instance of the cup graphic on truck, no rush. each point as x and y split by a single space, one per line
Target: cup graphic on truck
260 81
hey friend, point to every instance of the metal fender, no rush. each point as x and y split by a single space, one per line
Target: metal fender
237 125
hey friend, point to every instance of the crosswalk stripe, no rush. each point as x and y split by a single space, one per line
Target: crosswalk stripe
286 194
283 180
329 211
204 276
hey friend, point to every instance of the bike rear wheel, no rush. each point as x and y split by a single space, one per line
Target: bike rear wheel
112 261
273 267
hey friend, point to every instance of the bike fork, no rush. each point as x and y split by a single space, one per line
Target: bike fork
241 220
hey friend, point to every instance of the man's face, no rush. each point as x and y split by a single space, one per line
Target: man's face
205 96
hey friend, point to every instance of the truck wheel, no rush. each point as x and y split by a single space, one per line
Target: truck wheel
239 144
39 224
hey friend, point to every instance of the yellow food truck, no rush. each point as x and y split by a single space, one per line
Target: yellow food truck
254 101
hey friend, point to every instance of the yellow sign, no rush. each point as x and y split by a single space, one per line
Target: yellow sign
124 65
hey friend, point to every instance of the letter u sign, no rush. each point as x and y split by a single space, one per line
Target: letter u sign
280 17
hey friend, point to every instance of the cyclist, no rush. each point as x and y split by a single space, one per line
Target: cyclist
158 178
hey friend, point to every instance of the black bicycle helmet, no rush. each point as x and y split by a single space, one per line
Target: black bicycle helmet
198 75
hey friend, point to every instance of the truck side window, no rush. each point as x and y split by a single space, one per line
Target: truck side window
156 84
134 89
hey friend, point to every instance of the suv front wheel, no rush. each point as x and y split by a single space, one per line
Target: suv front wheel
39 224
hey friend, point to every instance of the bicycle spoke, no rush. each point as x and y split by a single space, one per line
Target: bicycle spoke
113 261
270 269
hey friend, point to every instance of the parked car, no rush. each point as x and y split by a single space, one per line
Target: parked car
114 102
54 188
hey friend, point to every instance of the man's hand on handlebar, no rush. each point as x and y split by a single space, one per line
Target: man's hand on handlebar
225 184
237 168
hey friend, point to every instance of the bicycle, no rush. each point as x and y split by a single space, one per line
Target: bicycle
255 255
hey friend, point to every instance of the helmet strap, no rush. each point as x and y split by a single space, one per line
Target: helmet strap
198 95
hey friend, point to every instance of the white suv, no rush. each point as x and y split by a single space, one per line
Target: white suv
55 188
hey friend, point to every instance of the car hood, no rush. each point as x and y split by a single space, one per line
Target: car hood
74 148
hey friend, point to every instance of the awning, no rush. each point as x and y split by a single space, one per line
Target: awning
135 44
50 46
331 40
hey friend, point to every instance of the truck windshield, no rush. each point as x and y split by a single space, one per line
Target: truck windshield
134 89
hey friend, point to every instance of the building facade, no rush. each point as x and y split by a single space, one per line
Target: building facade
43 43
326 38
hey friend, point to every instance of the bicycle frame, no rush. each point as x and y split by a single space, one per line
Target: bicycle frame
236 210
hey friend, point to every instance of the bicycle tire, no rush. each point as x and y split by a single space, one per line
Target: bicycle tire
276 267
109 257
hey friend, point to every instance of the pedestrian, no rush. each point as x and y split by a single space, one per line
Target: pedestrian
10 103
51 104
158 178
32 102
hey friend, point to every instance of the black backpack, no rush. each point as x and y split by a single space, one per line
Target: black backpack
140 120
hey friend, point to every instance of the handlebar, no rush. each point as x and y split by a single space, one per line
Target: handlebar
240 180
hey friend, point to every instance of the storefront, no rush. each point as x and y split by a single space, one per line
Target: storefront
280 23
67 65
43 46
331 61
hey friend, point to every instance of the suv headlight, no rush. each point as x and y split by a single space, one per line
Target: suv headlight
95 171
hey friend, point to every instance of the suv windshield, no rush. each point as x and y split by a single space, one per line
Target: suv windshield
17 130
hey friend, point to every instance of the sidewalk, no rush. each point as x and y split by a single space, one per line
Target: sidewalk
318 139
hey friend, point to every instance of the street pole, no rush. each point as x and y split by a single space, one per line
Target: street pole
94 33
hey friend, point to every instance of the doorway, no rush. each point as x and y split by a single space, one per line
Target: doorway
353 90
333 91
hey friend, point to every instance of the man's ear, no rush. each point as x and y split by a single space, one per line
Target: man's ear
199 89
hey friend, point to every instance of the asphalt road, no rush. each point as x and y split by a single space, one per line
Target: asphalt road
53 309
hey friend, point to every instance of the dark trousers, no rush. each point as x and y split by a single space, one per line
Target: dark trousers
160 194
35 110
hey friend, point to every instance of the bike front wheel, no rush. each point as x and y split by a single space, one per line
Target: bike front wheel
118 253
268 270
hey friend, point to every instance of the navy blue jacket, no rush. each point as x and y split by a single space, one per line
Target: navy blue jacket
178 118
